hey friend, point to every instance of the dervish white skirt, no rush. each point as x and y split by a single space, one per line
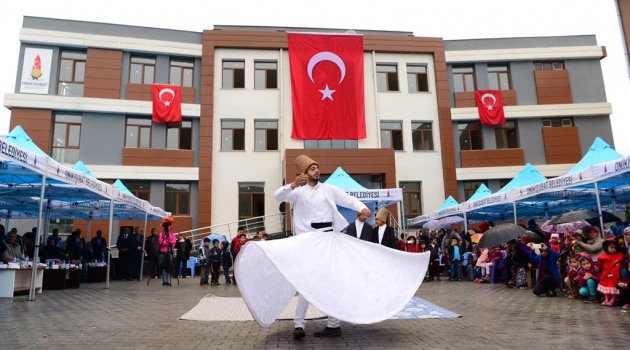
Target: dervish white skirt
344 277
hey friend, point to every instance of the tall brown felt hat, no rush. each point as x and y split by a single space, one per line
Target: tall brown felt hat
382 214
303 162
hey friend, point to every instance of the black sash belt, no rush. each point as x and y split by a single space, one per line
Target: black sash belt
318 225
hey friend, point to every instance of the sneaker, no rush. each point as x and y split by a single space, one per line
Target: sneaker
298 333
329 332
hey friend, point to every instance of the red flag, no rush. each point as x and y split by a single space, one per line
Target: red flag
490 107
327 86
167 103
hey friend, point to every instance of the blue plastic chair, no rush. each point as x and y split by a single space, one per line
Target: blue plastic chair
192 261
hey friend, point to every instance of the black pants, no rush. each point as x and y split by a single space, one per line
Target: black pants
125 262
154 261
546 284
214 271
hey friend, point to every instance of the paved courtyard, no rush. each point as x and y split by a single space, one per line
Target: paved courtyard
132 315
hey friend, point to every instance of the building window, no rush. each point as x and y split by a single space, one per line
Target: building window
387 76
233 74
251 199
557 122
463 79
499 77
422 136
182 73
391 135
329 144
265 75
549 65
66 138
138 133
177 198
140 189
470 136
470 187
142 70
412 199
266 135
506 135
503 182
417 78
179 137
71 73
232 135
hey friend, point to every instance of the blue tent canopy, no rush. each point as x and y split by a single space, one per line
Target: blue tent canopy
80 166
599 152
19 137
342 180
481 192
119 185
449 202
529 175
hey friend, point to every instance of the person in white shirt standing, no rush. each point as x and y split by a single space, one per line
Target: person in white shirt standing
361 229
313 207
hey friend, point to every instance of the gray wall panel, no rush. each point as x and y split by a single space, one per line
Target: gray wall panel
511 43
522 77
587 81
157 193
591 127
531 140
102 138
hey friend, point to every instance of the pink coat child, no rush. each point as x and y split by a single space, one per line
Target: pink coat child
489 257
167 241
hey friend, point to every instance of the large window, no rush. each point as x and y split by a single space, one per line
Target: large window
470 187
142 70
417 78
66 138
265 75
557 122
549 65
138 133
391 135
463 79
328 144
499 77
506 135
181 137
422 136
140 189
232 135
182 73
469 136
266 135
412 199
71 73
177 198
251 199
387 77
233 74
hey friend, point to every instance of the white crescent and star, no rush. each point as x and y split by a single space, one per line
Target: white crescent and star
167 91
326 56
488 95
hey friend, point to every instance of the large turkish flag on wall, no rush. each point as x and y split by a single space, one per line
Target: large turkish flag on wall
490 107
167 103
327 86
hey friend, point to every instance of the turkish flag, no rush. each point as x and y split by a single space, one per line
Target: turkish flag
490 107
167 103
327 86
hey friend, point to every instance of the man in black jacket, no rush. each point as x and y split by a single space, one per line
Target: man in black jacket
360 229
383 234
125 244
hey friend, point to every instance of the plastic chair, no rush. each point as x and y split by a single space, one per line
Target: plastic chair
192 261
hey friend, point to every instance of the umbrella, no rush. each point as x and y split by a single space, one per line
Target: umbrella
577 215
547 226
500 234
451 219
476 237
214 236
435 225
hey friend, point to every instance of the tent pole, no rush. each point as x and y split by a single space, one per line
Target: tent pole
599 210
46 225
89 227
109 251
7 223
40 221
465 223
144 242
515 215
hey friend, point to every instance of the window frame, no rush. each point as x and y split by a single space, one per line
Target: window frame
420 132
143 70
388 77
177 210
224 69
395 135
131 185
266 133
266 70
67 126
74 80
497 76
251 196
186 124
550 122
549 65
409 199
416 77
462 76
469 192
223 128
468 131
183 66
503 131
139 131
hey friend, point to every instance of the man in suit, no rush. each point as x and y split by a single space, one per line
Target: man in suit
125 245
383 234
360 229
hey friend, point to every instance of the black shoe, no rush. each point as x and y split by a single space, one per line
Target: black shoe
329 332
551 293
298 333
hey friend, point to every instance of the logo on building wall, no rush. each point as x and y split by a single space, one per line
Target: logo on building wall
36 67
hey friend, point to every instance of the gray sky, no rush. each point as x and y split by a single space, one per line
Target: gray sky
450 19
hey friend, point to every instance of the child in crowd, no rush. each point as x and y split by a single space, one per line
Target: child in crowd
588 277
434 265
624 291
610 263
571 281
470 262
554 242
548 277
215 262
226 262
411 245
455 260
204 253
423 246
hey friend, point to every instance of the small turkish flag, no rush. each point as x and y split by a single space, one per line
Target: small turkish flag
490 107
167 103
327 86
